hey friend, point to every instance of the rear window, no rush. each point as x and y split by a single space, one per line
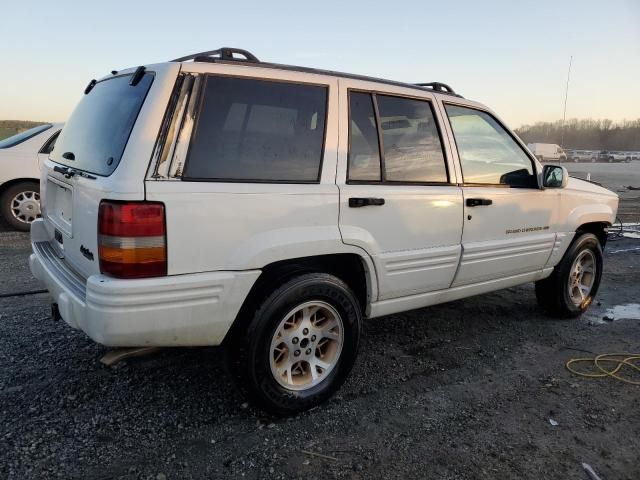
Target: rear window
99 128
256 130
23 136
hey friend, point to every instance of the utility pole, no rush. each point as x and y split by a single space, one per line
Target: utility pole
566 94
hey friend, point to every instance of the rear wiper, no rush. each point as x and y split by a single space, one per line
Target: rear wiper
69 172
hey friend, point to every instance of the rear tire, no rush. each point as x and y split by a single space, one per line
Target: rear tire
572 286
300 345
20 205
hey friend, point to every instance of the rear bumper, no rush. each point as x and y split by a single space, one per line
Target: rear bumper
181 310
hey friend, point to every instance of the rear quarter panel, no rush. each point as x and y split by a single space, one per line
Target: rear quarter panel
125 183
241 225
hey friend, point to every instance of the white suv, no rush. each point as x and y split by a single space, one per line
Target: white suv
20 159
272 208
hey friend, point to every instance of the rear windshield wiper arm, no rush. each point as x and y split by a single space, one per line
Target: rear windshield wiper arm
69 172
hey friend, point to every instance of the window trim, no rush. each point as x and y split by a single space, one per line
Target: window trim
383 180
48 142
198 112
511 135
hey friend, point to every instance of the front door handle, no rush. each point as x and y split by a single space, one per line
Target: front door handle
357 202
476 202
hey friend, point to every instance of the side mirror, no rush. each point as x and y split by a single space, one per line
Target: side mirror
554 176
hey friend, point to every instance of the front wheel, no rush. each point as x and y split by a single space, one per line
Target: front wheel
300 344
572 286
20 205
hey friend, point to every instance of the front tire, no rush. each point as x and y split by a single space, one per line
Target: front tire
300 344
20 205
570 289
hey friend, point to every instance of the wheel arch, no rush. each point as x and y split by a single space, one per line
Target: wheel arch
356 270
14 181
597 228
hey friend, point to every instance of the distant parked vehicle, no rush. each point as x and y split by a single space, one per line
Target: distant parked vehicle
582 156
20 159
631 156
613 156
547 152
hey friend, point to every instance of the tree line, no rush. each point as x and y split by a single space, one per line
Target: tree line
585 134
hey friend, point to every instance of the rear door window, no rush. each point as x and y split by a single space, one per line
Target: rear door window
256 130
364 149
99 127
412 148
406 128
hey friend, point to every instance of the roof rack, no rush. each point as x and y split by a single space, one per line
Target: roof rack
224 53
229 54
438 87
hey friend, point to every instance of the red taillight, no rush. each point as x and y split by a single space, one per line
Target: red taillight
132 240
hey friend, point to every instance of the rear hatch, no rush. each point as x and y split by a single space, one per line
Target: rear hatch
102 153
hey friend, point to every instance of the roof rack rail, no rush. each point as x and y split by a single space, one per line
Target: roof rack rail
224 53
438 87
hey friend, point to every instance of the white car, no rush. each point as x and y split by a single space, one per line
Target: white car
272 208
20 158
613 156
583 156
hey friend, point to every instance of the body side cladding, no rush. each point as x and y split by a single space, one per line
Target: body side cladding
356 269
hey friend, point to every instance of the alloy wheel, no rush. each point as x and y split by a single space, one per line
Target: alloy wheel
306 345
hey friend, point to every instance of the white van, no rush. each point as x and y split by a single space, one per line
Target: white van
217 199
547 152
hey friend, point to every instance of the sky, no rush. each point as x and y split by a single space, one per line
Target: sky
512 56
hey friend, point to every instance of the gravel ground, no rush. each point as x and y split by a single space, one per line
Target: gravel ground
463 390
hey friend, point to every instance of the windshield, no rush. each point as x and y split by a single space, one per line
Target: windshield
95 136
23 136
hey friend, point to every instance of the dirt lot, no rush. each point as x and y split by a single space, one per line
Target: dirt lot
458 391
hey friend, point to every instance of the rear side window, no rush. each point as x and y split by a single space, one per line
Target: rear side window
99 127
256 130
488 154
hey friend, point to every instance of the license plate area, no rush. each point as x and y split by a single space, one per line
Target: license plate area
59 205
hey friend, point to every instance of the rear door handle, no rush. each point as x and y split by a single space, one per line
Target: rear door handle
476 202
357 202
